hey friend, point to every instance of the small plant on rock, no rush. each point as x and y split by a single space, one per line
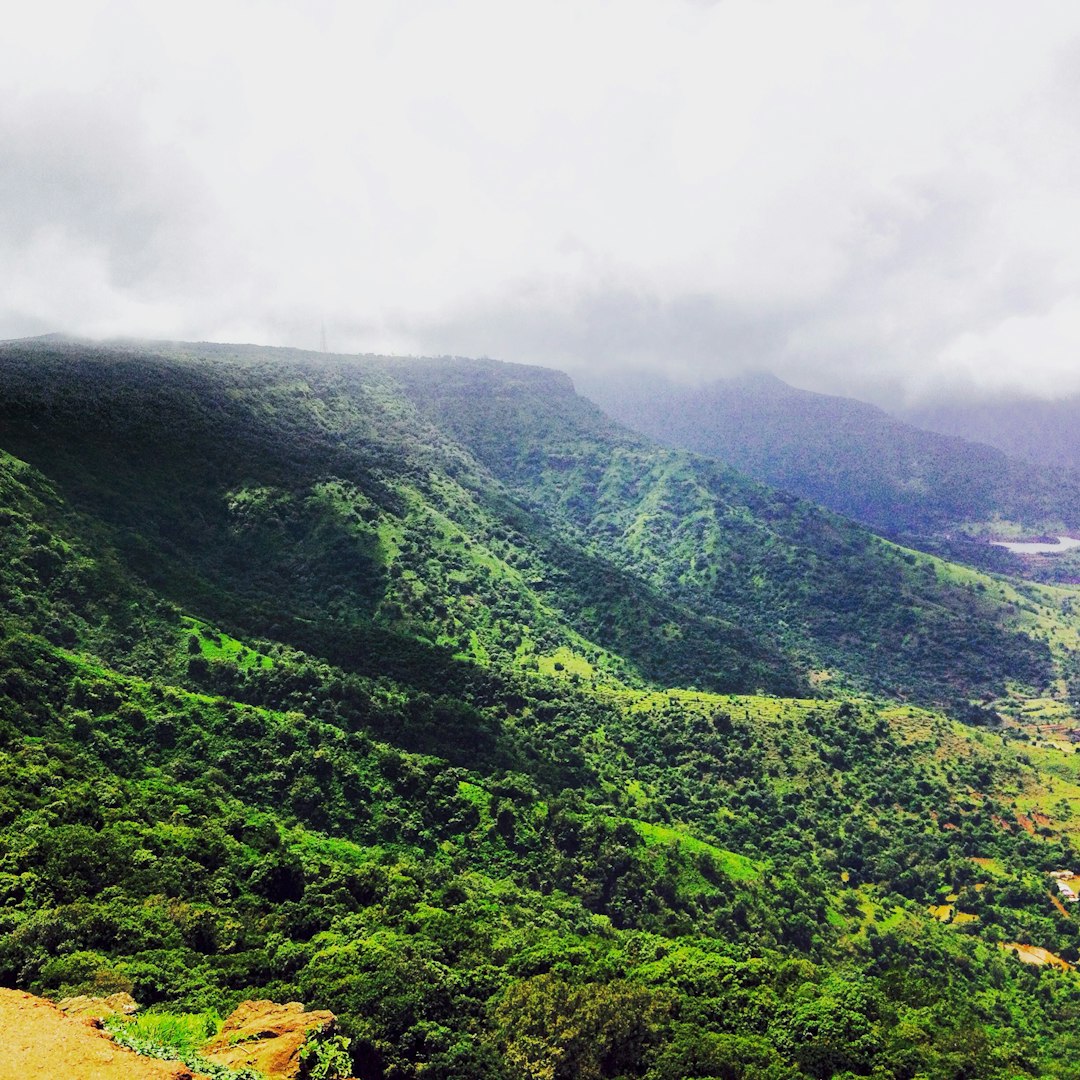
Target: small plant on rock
326 1059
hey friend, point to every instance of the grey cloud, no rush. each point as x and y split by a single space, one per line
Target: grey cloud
919 271
688 336
87 169
869 230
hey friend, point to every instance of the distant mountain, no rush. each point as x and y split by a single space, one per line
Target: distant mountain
846 454
1043 432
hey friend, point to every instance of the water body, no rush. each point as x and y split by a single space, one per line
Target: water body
1064 543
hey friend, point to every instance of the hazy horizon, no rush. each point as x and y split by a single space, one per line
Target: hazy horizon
874 201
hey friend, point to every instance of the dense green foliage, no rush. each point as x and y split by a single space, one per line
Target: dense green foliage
347 682
852 457
826 593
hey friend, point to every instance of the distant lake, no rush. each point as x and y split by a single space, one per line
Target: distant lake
1064 543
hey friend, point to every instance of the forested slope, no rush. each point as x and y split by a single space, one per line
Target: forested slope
506 516
1040 430
347 680
852 456
218 481
831 595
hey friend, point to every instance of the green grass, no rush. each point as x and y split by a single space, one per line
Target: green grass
215 645
993 867
565 662
735 866
176 1037
182 1032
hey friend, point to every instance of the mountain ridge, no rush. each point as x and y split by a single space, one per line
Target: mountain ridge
600 506
1036 429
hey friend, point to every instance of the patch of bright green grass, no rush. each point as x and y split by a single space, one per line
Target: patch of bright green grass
176 1037
1045 710
994 867
735 866
182 1032
565 662
214 645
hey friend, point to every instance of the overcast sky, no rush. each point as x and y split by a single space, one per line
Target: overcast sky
875 198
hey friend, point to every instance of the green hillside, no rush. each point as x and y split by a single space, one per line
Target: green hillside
423 693
483 510
840 601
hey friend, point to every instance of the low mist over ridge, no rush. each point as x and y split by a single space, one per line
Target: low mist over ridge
661 204
1046 432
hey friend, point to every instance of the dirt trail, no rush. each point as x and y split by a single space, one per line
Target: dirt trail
40 1043
1056 901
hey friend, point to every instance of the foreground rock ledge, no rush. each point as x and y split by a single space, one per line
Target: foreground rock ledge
41 1043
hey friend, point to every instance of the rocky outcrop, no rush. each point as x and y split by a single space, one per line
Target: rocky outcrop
97 1008
47 1041
268 1037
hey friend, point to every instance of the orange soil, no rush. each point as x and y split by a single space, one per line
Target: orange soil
40 1043
1056 901
1033 954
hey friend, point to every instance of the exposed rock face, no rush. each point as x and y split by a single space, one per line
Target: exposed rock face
41 1043
266 1036
97 1008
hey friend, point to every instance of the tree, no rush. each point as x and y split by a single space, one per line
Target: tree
550 1029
